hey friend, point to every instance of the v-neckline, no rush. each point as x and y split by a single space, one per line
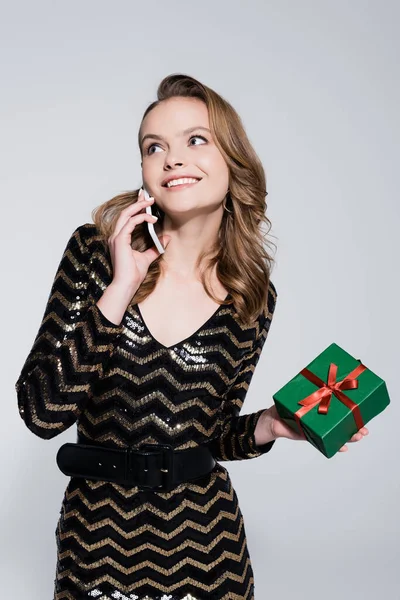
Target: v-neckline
189 337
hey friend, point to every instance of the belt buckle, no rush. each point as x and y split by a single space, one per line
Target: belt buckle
167 466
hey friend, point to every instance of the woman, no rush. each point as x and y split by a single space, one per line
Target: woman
140 348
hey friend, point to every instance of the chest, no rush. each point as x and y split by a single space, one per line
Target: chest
172 316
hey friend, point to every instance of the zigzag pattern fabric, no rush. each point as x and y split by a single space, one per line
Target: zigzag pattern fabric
123 388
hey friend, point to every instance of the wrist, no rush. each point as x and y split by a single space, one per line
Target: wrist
124 289
264 431
114 302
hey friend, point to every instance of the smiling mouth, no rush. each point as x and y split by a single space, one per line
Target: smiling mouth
177 185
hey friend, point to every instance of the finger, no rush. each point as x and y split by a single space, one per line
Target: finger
355 437
136 219
343 449
133 208
363 431
126 230
142 199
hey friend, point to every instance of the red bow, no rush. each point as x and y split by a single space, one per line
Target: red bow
323 395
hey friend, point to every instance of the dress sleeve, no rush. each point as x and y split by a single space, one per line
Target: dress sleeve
236 440
71 349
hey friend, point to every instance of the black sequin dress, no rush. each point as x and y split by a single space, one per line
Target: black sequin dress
123 388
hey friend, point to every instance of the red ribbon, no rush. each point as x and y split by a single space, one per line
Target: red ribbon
322 396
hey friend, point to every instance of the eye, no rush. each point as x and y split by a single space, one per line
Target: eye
192 137
201 137
151 146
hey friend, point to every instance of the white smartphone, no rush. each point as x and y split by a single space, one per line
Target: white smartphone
150 226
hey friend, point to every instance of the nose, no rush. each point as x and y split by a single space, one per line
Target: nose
175 155
171 164
173 158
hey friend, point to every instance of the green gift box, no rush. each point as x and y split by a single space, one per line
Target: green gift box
331 399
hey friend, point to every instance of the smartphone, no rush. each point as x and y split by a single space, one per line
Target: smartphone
150 226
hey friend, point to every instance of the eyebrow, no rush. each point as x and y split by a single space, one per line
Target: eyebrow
185 132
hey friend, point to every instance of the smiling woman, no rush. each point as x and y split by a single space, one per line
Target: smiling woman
149 513
191 131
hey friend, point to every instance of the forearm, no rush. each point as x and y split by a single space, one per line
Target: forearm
114 301
263 432
237 441
73 346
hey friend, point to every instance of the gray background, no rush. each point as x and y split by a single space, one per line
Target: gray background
317 86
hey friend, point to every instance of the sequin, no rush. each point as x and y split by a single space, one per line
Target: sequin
122 388
120 596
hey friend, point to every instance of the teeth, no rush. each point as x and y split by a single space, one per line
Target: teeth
181 181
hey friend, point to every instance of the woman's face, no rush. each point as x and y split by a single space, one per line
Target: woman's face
176 142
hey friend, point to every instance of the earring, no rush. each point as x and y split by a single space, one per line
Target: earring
224 204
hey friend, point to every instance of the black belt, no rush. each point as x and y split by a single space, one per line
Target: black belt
151 467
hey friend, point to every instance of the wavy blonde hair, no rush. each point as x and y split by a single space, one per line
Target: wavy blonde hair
239 257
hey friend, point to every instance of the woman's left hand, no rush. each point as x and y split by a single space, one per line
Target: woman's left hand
280 429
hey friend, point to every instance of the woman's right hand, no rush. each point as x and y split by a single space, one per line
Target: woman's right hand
130 266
